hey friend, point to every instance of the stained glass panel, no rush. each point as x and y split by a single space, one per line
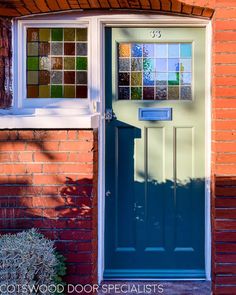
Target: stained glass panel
44 49
124 64
161 50
161 78
148 78
44 77
173 92
185 50
44 91
136 92
33 49
124 50
33 77
161 64
173 78
158 71
137 50
136 78
148 93
173 64
57 63
57 49
136 64
148 50
148 64
124 79
186 92
81 49
124 93
186 65
161 92
44 35
173 50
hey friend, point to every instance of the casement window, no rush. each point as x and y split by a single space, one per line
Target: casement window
53 85
53 63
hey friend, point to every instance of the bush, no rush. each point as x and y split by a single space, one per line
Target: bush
29 259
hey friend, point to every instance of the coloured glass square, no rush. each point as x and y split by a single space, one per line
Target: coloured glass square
44 35
81 49
33 49
56 91
57 34
57 48
124 64
81 34
136 92
81 63
44 48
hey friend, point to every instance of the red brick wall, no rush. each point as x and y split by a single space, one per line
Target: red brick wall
32 191
48 180
224 148
21 7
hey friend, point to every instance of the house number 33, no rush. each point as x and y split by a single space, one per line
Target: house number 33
155 34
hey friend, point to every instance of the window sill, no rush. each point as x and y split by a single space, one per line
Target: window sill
49 121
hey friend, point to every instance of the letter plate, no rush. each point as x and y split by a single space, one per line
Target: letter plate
155 114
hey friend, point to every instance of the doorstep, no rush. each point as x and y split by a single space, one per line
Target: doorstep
156 287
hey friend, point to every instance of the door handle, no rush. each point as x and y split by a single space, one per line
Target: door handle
108 193
109 115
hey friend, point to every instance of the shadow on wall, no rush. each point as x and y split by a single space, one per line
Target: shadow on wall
25 206
46 182
223 233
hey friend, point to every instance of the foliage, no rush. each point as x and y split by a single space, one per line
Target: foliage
29 259
60 270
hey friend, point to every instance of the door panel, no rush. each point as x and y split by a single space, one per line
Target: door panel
155 175
125 239
155 222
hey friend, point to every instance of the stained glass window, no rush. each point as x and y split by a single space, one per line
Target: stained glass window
149 71
57 63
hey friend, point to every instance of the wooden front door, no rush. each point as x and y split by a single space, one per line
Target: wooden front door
155 158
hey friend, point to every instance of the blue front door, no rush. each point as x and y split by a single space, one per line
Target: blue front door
155 159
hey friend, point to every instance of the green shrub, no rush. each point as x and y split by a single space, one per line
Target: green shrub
29 259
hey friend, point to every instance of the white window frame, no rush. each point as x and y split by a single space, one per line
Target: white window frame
23 101
50 112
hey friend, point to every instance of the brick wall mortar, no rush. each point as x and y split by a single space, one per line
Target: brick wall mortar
223 148
61 201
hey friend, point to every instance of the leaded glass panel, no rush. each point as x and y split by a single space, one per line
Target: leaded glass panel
57 63
160 71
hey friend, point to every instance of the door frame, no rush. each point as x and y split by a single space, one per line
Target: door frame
98 25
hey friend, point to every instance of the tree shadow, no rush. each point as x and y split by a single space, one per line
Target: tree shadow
62 208
147 210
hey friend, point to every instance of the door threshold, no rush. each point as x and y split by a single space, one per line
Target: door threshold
157 279
154 274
